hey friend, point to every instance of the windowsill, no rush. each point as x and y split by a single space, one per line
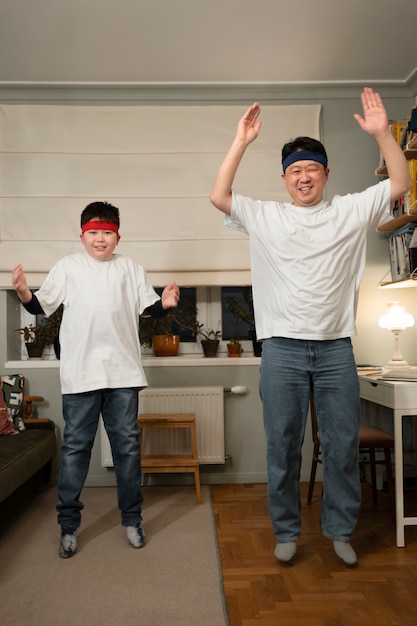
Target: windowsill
150 361
193 359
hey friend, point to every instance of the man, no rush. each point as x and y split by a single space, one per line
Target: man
307 259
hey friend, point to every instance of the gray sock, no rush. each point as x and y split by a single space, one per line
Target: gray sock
345 552
285 551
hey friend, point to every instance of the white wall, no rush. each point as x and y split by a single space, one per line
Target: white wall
353 157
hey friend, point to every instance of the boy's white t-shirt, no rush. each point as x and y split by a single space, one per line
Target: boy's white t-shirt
307 263
99 334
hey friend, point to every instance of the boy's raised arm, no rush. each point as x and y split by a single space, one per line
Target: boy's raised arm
247 131
20 284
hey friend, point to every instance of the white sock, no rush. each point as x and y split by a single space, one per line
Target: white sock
134 537
345 552
285 551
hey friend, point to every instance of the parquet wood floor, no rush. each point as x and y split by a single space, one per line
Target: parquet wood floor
316 589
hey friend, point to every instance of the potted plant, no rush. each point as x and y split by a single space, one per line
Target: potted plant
243 310
234 347
34 342
46 332
162 333
210 343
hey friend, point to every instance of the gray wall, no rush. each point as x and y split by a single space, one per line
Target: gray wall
353 158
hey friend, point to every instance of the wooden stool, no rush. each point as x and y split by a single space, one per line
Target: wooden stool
172 463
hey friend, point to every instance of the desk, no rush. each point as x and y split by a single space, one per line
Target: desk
401 397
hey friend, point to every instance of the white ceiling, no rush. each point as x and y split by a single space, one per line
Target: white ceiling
333 42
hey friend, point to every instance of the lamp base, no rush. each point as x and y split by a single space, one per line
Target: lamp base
395 363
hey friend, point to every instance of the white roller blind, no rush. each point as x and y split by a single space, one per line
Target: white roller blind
156 163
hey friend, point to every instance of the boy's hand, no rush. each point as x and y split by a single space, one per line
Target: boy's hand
170 296
375 119
20 284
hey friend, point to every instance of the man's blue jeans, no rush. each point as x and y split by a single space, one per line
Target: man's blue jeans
290 370
119 409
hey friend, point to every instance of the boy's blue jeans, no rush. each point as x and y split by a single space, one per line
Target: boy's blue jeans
290 369
119 409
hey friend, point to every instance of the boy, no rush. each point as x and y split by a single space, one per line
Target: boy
100 363
307 260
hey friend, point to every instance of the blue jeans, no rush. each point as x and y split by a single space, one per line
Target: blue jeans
290 370
119 409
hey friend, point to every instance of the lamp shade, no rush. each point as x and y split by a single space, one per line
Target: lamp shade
396 318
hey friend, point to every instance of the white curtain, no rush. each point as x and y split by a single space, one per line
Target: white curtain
156 163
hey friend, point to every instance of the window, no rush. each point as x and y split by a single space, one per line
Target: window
167 325
237 312
213 310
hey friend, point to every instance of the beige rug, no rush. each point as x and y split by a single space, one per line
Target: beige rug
173 581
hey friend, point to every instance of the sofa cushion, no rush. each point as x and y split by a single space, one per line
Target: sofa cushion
6 422
12 388
22 456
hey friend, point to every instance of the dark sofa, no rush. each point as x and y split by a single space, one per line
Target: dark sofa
25 454
27 447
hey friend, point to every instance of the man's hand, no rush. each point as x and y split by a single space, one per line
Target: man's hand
170 296
20 284
249 125
375 119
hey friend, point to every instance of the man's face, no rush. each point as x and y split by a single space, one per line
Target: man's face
305 182
100 244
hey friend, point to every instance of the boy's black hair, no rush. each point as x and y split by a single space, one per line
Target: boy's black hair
303 143
103 211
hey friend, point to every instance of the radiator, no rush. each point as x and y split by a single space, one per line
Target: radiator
208 405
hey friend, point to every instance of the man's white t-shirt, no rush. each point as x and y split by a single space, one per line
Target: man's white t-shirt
307 263
99 334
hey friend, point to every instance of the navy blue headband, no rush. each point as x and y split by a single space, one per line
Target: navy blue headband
303 155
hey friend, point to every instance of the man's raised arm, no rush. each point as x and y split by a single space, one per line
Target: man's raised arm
247 131
375 122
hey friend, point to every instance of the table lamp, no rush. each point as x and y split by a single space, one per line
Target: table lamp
396 320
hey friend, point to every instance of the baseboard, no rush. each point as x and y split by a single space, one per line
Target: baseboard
206 478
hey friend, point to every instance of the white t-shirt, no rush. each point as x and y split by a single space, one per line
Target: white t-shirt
307 263
99 334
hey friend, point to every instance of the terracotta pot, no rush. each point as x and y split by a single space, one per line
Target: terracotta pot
165 345
234 349
210 347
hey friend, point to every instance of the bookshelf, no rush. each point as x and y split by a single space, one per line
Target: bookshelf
408 142
407 139
399 222
402 283
410 149
410 153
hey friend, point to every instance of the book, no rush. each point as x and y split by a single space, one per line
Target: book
408 373
399 245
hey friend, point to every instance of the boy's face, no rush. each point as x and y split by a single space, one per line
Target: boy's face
100 244
305 182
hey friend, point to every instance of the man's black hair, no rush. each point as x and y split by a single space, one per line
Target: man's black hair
103 211
303 143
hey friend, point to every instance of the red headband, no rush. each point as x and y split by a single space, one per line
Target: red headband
97 225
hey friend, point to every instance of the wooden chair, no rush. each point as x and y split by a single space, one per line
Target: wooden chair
171 463
29 400
370 440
